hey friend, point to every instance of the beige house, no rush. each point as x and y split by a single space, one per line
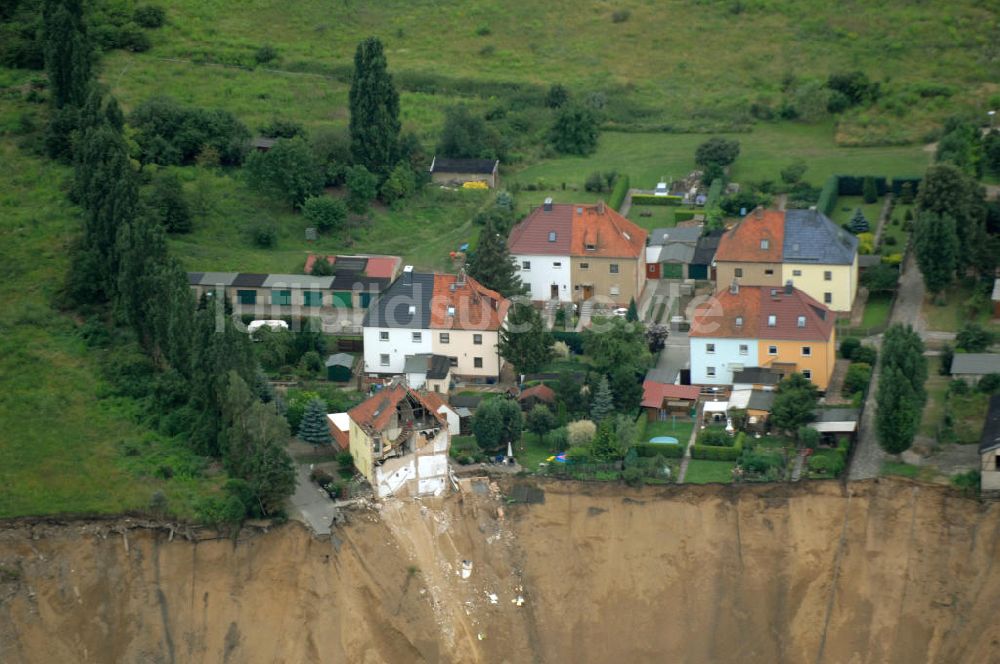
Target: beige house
989 448
399 442
798 247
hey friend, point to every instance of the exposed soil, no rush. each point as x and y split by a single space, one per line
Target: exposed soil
886 571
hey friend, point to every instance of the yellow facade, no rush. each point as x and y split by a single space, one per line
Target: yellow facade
819 361
361 450
817 280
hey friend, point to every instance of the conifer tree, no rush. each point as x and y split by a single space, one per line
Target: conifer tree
374 104
67 52
632 315
313 428
524 341
858 223
603 403
491 263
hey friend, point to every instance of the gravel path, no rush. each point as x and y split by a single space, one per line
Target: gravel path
867 460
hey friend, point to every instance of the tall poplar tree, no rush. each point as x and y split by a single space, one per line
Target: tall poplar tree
936 245
67 52
374 105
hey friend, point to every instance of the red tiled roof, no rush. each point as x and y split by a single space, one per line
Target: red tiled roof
653 393
611 235
542 392
742 243
476 307
383 267
717 318
531 235
374 414
434 400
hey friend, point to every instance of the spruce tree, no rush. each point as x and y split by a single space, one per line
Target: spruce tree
632 315
491 263
603 403
858 223
524 341
374 104
937 247
313 429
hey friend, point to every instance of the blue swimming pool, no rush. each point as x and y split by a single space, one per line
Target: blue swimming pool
663 440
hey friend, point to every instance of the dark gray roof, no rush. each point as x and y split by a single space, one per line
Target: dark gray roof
439 367
404 304
345 281
756 376
676 253
250 279
444 165
810 237
836 414
340 360
194 278
990 440
665 376
704 251
975 364
683 234
465 401
869 260
761 400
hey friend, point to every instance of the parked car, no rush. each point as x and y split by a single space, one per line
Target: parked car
661 189
621 312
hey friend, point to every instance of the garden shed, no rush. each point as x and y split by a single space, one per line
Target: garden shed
339 367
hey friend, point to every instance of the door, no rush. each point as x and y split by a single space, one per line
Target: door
588 292
554 291
672 271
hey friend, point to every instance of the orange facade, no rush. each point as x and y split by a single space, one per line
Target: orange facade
818 361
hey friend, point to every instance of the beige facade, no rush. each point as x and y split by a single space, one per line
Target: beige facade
748 274
608 279
833 285
469 348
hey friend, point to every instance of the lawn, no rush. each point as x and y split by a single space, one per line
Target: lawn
62 449
660 216
531 452
681 430
937 388
896 230
846 205
877 309
898 469
701 471
950 316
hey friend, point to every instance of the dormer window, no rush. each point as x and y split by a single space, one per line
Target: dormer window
412 309
552 236
739 321
772 320
591 247
451 310
765 244
802 321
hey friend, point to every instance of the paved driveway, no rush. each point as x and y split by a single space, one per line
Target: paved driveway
310 504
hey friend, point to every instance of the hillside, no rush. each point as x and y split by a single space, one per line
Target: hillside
890 572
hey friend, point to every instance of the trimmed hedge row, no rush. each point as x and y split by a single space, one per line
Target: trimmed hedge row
684 215
828 195
897 185
853 185
714 453
649 450
619 192
650 199
714 193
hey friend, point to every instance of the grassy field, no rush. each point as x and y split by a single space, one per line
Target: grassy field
702 471
62 443
949 316
536 44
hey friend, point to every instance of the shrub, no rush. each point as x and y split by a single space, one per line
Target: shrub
594 182
265 54
858 376
809 437
820 464
649 450
620 15
968 482
132 38
847 347
866 242
892 259
650 199
715 437
580 433
149 16
263 234
989 383
325 213
169 133
633 476
865 354
890 240
958 387
828 195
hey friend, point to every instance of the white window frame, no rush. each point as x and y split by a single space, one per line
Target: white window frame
710 349
526 266
477 339
807 351
613 268
710 372
765 244
383 335
801 321
417 337
744 349
808 374
772 350
772 320
477 363
556 265
828 275
444 338
384 359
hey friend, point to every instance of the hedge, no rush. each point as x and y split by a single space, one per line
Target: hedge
714 193
828 195
572 339
713 453
619 192
715 436
684 215
853 185
649 199
897 185
649 450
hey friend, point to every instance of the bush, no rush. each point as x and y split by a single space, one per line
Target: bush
820 465
325 213
968 482
620 15
848 345
594 183
715 437
650 199
132 38
715 453
633 476
809 437
865 354
168 133
580 433
958 387
149 16
619 192
828 195
858 376
265 54
989 383
264 234
649 450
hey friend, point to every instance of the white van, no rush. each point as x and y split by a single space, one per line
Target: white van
273 324
661 189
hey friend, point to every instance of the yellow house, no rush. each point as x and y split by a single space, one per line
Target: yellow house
812 358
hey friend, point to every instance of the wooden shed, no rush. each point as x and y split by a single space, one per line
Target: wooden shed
340 367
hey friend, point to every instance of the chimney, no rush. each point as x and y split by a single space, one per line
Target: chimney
788 287
407 275
734 287
600 207
759 212
460 279
547 205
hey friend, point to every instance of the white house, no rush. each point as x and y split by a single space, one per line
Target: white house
714 360
540 246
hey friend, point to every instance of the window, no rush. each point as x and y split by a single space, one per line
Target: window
552 236
453 361
765 244
768 271
808 374
444 338
710 372
614 290
613 268
417 337
772 320
451 310
828 276
556 265
246 296
525 265
383 359
477 362
796 273
744 349
584 266
709 348
772 350
739 321
383 335
312 298
738 272
807 351
477 339
827 298
590 247
281 297
801 321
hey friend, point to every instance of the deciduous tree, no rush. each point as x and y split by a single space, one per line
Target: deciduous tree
288 172
936 245
794 403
